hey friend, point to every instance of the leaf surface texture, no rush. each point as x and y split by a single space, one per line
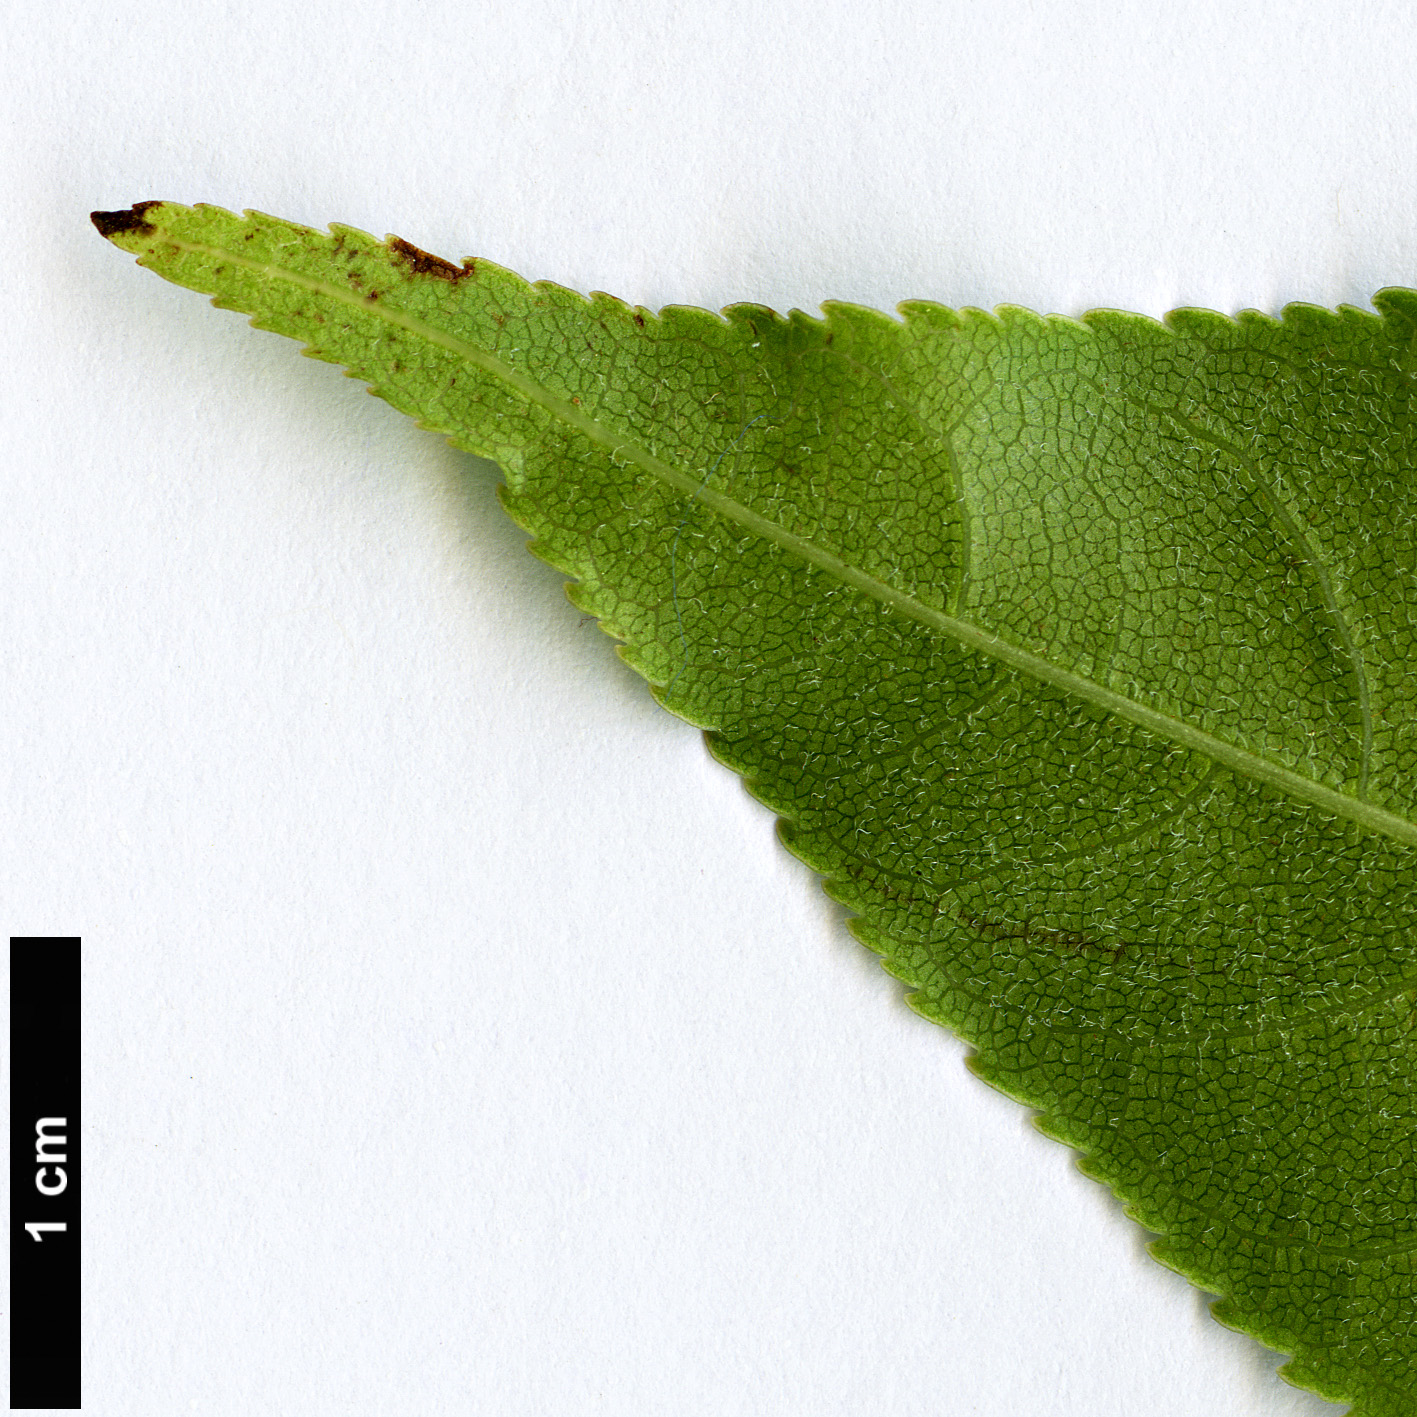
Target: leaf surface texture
1080 658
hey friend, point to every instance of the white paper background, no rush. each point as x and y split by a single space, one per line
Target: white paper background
458 1038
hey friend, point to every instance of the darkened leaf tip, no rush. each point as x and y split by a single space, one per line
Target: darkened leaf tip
425 265
134 220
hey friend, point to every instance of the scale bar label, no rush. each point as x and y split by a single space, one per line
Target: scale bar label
45 1168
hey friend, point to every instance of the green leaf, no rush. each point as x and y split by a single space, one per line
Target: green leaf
1080 658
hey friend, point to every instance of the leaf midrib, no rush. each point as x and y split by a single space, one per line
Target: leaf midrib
1239 760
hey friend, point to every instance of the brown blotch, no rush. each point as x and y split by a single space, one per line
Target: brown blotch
134 220
638 319
422 264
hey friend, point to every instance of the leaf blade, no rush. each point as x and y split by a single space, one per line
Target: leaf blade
1124 917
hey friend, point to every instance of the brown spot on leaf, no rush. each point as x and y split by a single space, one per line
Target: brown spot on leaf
135 220
422 264
639 319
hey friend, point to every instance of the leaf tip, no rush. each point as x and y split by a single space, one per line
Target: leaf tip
132 222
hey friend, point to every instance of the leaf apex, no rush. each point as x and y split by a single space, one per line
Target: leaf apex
132 219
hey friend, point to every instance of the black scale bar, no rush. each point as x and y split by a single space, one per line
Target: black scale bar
44 1172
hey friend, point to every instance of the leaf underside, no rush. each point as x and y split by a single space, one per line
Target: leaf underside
1079 657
